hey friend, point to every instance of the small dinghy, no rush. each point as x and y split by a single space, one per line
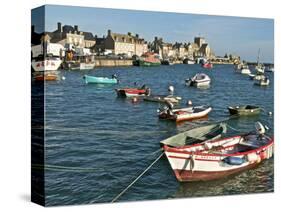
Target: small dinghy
262 82
184 114
163 98
207 65
216 159
196 135
199 80
244 110
133 92
256 77
100 80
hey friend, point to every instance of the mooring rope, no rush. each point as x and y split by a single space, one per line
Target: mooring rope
136 179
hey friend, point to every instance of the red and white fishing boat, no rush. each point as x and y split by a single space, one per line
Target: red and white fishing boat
184 114
219 158
207 65
133 92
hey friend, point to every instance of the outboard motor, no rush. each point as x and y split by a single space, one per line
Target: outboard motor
171 89
114 76
260 129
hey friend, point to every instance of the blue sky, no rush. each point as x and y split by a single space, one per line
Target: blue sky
242 36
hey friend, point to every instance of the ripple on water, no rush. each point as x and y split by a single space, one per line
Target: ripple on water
88 127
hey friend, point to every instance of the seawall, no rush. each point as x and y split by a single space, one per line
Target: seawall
113 62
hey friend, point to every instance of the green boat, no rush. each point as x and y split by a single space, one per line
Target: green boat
100 80
196 135
148 59
244 110
148 63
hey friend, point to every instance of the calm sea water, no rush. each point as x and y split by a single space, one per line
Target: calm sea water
105 142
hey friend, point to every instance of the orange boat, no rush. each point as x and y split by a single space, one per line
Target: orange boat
46 77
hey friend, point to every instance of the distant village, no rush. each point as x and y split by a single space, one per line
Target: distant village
120 46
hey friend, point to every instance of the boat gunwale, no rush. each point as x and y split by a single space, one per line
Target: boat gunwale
200 153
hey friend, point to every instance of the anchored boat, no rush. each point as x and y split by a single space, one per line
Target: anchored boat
100 80
148 59
256 77
184 114
207 65
133 92
162 98
196 135
244 110
199 80
216 159
262 82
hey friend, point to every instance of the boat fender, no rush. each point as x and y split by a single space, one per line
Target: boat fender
234 160
253 157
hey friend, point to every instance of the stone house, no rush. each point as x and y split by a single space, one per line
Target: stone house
123 44
67 34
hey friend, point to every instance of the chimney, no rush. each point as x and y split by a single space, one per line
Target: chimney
137 35
155 38
96 36
59 27
129 33
76 28
109 32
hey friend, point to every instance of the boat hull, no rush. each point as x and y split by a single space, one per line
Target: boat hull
82 66
184 115
245 71
193 176
162 99
207 65
46 65
147 63
243 111
131 92
191 163
46 77
99 80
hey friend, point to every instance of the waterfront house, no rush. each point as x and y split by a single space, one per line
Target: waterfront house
164 49
71 35
123 44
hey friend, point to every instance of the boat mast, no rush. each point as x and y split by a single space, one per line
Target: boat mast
258 60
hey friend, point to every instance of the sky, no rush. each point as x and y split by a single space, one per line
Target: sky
232 35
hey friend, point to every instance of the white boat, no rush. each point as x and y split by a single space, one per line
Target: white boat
262 82
256 77
269 69
259 67
47 64
245 69
242 69
184 114
199 80
216 159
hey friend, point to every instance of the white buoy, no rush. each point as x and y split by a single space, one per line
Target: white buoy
270 113
63 78
189 102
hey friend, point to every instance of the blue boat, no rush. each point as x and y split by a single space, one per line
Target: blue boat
100 80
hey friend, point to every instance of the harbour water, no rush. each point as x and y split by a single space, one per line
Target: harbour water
100 143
